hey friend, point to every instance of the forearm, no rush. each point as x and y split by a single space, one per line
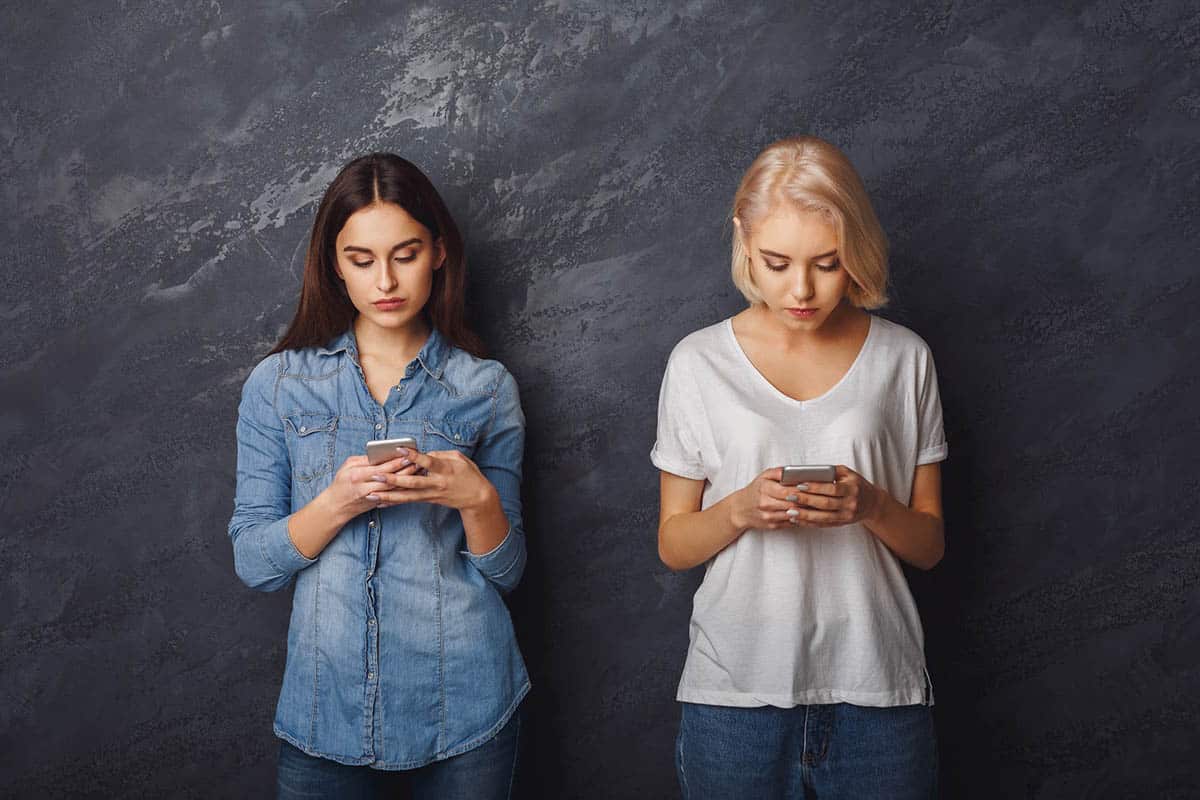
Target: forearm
914 536
690 538
484 521
315 525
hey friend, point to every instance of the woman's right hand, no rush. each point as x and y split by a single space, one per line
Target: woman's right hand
763 504
352 490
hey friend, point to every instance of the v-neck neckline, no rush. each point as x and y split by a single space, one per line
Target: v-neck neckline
737 346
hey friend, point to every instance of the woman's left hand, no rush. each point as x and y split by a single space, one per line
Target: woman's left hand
852 498
451 479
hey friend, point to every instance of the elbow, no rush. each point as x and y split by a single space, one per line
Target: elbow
929 562
670 559
249 565
936 552
258 581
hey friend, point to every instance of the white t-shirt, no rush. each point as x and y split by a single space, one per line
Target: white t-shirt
804 615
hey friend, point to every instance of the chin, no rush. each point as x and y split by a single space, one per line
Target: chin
389 321
800 324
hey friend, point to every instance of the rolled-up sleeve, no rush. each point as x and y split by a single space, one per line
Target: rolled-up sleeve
264 556
498 456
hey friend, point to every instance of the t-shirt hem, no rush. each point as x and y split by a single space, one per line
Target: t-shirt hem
908 696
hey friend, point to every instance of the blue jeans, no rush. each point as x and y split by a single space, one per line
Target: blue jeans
485 773
823 751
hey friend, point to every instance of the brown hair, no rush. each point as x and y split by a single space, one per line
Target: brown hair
325 310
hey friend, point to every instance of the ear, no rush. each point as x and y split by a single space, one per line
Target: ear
740 232
440 247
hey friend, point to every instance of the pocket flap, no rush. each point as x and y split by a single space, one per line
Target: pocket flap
306 424
459 434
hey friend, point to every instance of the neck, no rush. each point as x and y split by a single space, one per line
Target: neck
396 346
843 322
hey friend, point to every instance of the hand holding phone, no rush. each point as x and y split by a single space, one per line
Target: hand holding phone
381 450
794 474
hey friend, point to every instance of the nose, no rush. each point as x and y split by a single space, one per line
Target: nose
803 288
385 281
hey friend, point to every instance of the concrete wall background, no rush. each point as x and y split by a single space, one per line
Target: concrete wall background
1035 169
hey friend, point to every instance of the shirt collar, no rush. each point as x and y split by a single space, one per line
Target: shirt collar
432 357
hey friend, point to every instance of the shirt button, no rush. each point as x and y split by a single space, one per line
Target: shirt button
369 574
370 676
303 429
371 622
371 524
378 426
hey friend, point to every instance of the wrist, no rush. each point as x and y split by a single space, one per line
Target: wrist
329 508
879 508
735 510
486 497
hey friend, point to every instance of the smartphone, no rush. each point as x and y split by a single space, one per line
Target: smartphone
381 450
792 475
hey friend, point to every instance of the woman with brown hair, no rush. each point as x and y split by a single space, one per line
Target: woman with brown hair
401 654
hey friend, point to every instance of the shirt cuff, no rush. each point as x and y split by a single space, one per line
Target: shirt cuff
932 455
280 551
496 562
675 466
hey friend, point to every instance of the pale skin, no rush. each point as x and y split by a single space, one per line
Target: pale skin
795 265
384 254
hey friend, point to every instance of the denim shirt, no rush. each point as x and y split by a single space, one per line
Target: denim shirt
400 649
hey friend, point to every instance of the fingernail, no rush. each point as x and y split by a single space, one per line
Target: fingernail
404 462
793 512
378 478
402 451
791 498
802 487
373 497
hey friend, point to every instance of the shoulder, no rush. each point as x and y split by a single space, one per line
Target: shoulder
466 374
264 376
309 362
698 346
900 341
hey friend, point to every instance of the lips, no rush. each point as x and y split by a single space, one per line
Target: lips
802 313
390 304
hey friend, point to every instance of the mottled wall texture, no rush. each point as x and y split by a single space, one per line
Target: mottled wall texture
1035 169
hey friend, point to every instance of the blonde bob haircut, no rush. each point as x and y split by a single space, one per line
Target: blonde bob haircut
813 175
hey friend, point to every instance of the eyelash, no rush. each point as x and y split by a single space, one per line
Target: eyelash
823 267
369 263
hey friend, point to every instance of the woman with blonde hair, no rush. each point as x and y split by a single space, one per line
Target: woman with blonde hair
805 671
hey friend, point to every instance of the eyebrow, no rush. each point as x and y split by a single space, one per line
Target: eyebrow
789 258
406 243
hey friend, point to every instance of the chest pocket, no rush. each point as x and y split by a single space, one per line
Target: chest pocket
311 439
450 434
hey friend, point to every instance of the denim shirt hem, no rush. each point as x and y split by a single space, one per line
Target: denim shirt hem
367 761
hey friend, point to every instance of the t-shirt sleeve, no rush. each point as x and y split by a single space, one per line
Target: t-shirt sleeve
679 416
931 437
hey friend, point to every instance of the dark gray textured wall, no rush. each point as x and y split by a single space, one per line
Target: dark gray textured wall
1035 168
